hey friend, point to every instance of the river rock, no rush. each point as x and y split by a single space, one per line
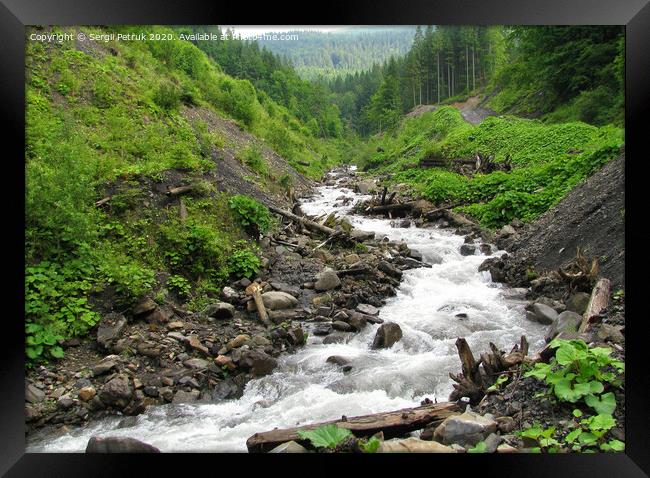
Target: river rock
275 300
321 330
413 254
357 321
567 321
578 302
342 326
224 390
386 336
33 394
87 393
105 365
466 429
337 360
258 362
413 445
507 230
363 187
351 259
390 269
119 445
110 329
289 447
367 309
610 333
144 306
467 249
327 280
186 397
542 313
229 294
196 363
220 310
360 235
117 391
237 341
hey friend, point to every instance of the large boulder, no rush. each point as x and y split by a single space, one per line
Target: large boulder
542 313
258 362
386 336
275 300
567 321
144 306
327 280
578 302
110 329
117 391
466 429
364 187
119 445
220 310
367 309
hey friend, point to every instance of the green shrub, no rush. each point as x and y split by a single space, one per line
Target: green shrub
253 158
243 262
326 436
252 215
179 284
167 96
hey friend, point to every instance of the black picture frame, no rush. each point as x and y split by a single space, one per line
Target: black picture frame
16 14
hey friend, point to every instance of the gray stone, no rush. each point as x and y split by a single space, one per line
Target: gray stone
390 269
110 329
321 330
492 442
224 390
337 360
507 230
363 187
367 309
413 445
119 445
275 300
65 402
357 321
258 362
578 302
610 333
417 255
567 321
543 314
467 250
228 293
466 429
104 365
144 306
327 280
351 259
342 326
186 397
196 363
387 335
360 235
117 391
289 447
220 310
33 394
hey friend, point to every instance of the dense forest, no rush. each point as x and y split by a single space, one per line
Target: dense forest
329 55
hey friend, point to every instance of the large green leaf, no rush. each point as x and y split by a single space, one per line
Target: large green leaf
605 404
326 436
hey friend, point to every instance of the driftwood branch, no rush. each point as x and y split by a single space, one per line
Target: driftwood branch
597 303
314 226
392 424
406 206
101 202
255 290
179 190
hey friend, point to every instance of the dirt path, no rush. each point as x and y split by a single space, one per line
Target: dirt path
472 112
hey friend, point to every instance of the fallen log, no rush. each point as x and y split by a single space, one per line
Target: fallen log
597 303
314 226
391 424
406 206
329 239
179 190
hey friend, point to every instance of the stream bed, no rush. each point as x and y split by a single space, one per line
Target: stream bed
305 389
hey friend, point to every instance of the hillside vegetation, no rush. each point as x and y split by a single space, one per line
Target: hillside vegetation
129 120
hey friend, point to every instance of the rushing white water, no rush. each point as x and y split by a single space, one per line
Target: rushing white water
304 388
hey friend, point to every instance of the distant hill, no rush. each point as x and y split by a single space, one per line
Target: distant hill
350 50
